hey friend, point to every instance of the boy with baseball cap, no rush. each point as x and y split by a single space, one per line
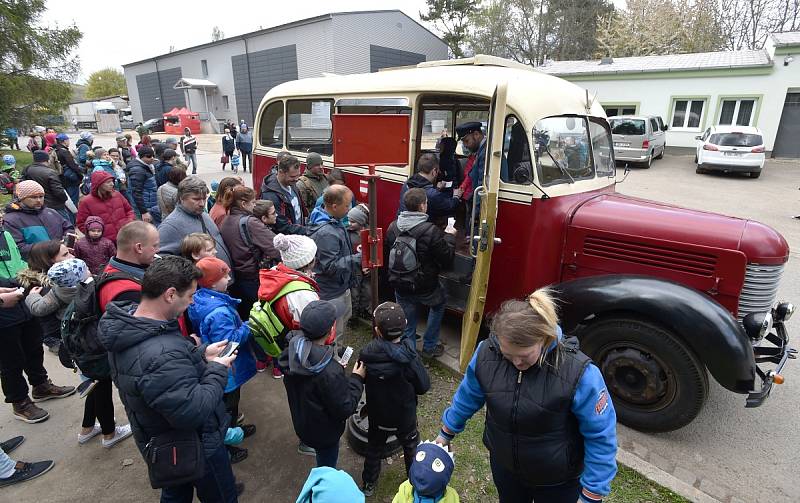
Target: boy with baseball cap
395 377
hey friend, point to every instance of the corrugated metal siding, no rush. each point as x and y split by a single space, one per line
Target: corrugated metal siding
268 68
155 101
386 57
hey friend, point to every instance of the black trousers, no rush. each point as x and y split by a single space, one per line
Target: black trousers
21 351
100 406
376 444
231 401
511 490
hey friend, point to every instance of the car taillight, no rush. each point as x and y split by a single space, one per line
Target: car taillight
708 146
758 150
646 144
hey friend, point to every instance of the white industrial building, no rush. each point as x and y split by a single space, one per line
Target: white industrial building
694 91
225 80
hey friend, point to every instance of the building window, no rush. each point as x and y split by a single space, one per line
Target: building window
737 112
204 66
225 104
309 125
271 127
612 110
687 113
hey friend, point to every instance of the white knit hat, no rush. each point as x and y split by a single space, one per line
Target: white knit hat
296 251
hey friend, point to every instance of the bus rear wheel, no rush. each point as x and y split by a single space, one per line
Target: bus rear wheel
656 382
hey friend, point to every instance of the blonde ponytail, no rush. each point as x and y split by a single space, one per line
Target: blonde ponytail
528 323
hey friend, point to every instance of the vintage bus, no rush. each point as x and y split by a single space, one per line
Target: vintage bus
659 296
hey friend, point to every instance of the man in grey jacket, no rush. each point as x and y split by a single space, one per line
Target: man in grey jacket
189 216
336 260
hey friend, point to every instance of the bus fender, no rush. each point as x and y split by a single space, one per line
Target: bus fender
708 329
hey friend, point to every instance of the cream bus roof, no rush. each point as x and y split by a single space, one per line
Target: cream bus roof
531 94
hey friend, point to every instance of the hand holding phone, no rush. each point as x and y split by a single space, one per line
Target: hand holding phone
69 240
229 349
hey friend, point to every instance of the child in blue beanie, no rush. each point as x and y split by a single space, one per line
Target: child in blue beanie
329 485
428 477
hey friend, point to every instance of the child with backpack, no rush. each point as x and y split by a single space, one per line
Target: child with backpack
395 377
321 396
93 248
65 277
213 314
429 476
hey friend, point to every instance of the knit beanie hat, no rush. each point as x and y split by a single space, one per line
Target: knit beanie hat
95 222
359 214
296 251
313 159
68 272
40 156
213 270
329 485
431 469
28 188
317 319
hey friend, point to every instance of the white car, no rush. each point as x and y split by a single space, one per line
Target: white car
731 149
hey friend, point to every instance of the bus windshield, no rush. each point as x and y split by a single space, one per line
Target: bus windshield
561 149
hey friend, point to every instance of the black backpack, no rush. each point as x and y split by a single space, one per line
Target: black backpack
79 327
403 264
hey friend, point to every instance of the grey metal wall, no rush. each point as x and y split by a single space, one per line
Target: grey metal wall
386 57
267 69
786 142
156 100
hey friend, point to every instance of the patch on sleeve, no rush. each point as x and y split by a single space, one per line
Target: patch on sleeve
602 403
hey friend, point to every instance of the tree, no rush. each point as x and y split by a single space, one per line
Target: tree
36 63
452 19
216 34
746 24
106 82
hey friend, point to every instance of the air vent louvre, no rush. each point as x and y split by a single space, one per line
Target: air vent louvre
649 255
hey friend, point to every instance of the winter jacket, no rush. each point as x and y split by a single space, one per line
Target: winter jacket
180 222
441 204
10 259
28 226
115 211
95 252
246 259
121 289
28 279
395 376
228 144
54 194
405 494
310 187
73 172
167 196
81 147
142 182
289 307
329 484
213 315
188 144
163 379
52 301
244 142
162 172
540 441
435 248
321 397
337 263
286 221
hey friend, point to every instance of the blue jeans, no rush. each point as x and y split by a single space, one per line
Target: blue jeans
193 159
435 315
216 485
328 456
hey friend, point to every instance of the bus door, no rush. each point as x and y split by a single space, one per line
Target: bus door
483 230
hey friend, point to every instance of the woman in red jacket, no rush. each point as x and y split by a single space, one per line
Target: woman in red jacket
105 202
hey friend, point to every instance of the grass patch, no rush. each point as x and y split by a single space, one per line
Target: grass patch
23 157
472 478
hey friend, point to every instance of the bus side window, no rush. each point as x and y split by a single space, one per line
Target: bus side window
517 166
271 126
310 125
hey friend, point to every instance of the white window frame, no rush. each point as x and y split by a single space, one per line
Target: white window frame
689 102
738 102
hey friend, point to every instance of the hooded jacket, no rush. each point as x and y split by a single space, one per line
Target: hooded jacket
73 172
54 194
395 376
406 494
435 248
310 186
142 183
167 196
214 316
115 210
180 222
95 252
285 222
81 147
10 259
245 260
337 264
53 302
321 397
244 141
441 204
163 380
289 307
28 226
329 484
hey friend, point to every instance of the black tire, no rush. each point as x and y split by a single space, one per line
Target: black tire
661 154
695 158
648 162
755 174
639 358
699 170
357 429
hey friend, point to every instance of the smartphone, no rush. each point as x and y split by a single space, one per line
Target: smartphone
229 349
345 358
69 240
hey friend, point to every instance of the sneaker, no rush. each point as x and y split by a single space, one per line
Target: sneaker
48 390
261 366
240 419
86 387
11 444
368 489
27 471
120 434
28 411
237 454
248 429
85 437
436 352
306 450
276 373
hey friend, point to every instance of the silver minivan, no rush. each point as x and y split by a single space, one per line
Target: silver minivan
638 138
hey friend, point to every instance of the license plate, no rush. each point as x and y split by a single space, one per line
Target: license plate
732 154
618 144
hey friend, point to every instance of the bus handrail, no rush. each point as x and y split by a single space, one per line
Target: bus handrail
478 192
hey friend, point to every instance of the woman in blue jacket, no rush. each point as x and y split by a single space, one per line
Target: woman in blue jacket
550 424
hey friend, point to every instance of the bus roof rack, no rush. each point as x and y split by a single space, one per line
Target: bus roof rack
477 60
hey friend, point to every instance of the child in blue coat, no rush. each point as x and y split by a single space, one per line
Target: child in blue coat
213 314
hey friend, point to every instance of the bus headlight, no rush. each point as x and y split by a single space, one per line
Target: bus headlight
784 311
757 325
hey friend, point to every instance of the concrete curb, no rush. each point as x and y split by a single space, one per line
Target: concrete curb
663 478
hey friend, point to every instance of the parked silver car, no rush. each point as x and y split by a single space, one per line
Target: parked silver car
638 138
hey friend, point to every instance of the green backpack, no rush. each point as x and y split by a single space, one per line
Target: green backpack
267 329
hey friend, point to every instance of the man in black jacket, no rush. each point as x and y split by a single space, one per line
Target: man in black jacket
73 173
280 189
418 283
442 201
321 397
54 194
395 377
164 381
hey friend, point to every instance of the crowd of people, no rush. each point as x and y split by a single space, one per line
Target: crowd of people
178 294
